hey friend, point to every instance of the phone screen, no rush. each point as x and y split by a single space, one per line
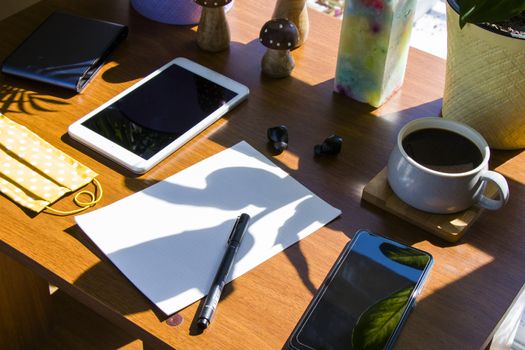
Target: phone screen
365 298
152 116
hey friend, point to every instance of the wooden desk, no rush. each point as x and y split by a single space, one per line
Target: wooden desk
472 282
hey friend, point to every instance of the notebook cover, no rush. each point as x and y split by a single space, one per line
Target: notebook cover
65 50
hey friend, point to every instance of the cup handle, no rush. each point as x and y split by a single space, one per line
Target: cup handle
503 191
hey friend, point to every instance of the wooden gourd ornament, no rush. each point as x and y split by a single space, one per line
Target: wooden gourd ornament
213 33
297 12
279 36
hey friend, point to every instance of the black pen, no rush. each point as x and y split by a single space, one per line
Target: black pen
214 294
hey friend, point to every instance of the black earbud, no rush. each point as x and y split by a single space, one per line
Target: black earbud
331 145
278 137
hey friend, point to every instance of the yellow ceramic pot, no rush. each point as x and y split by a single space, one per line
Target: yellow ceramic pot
485 83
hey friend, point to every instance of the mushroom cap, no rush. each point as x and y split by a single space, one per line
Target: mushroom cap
212 3
279 34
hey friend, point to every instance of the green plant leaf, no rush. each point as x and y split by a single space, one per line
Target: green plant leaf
478 11
376 325
405 256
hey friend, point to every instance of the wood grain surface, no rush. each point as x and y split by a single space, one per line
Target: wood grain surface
471 285
75 326
25 304
514 168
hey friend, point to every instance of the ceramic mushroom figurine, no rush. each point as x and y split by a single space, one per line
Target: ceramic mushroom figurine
279 36
213 33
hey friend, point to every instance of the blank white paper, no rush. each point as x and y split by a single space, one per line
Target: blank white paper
169 239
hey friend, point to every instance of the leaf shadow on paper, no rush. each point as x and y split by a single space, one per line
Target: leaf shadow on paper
145 259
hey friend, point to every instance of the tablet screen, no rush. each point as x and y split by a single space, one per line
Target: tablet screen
152 116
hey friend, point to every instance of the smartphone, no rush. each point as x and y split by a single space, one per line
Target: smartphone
365 298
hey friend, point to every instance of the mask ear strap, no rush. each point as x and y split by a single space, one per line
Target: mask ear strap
94 197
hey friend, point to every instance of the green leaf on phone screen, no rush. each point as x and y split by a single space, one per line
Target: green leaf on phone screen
405 256
375 326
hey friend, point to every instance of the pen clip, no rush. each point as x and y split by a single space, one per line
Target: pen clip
234 229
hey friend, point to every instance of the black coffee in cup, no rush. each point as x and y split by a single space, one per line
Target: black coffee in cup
442 150
441 166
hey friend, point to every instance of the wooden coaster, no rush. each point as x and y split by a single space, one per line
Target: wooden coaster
450 227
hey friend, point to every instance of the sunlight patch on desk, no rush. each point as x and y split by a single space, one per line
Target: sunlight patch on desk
290 160
514 168
462 269
108 65
394 109
311 75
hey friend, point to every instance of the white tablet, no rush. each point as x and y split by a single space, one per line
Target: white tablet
150 120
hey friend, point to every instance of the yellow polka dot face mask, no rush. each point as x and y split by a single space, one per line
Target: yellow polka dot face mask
34 174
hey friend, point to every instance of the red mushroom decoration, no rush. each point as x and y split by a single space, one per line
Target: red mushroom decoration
213 33
279 36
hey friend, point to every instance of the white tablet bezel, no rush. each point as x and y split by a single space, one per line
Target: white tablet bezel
133 162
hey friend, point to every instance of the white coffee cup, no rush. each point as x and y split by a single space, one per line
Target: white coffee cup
438 191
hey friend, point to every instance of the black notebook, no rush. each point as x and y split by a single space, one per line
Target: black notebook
65 50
